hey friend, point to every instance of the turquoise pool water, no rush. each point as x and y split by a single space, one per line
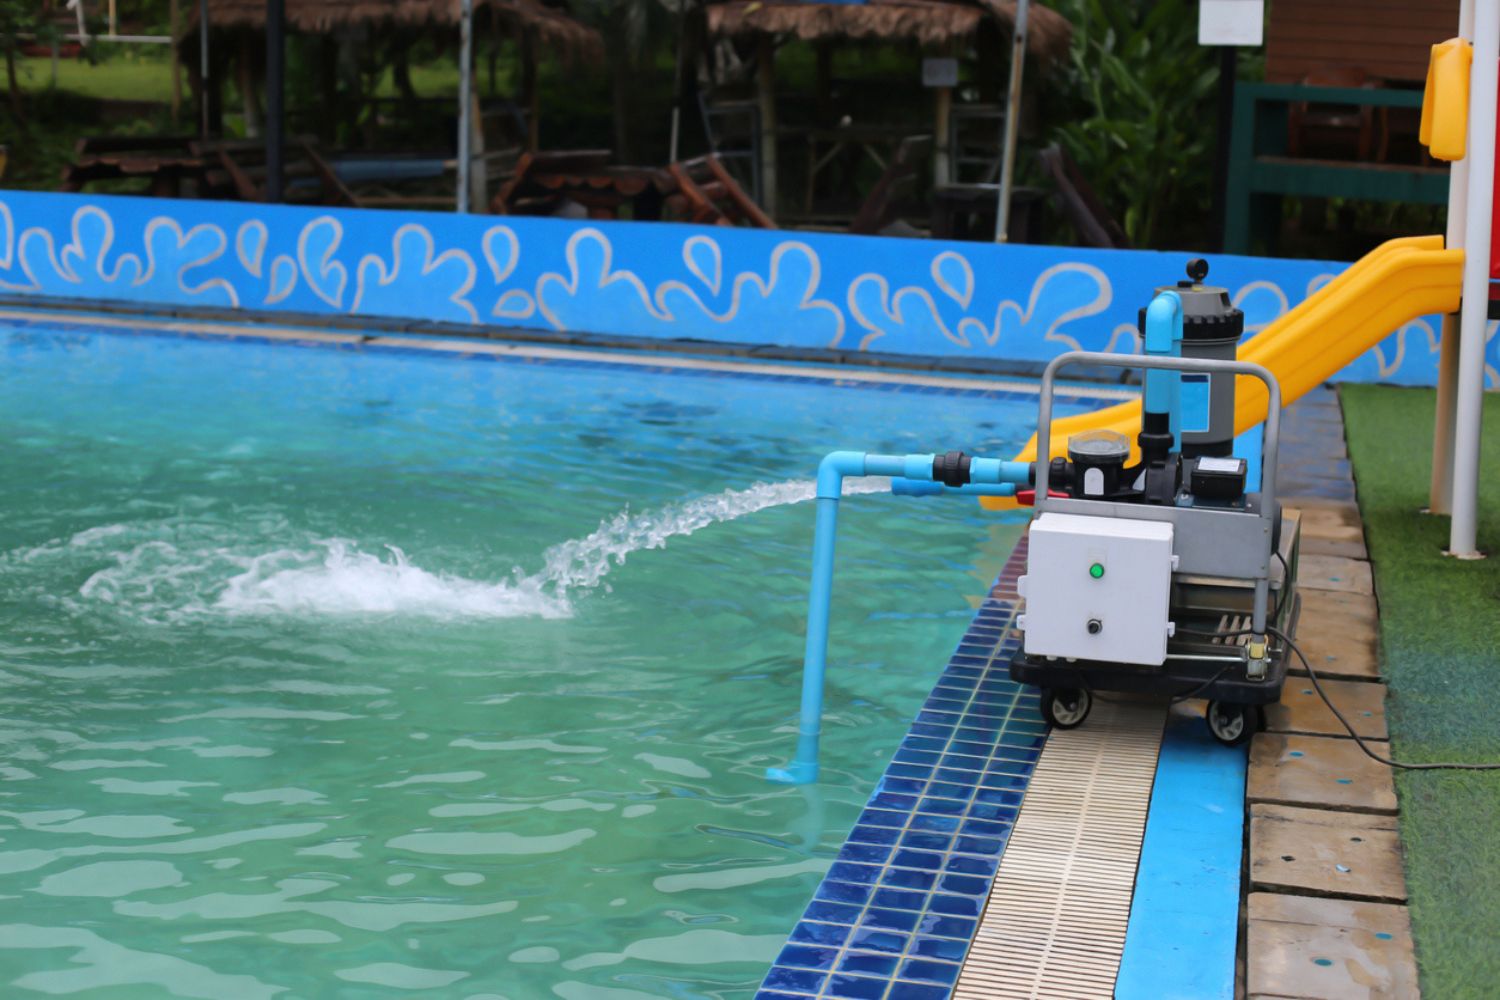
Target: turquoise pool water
348 673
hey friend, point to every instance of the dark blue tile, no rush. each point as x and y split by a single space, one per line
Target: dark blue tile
993 812
942 948
891 920
906 786
944 807
801 956
893 801
926 841
803 980
768 995
958 906
984 828
935 824
869 964
904 858
855 987
917 991
1007 792
984 867
831 913
954 927
910 771
873 939
931 729
872 854
844 892
844 871
978 845
965 884
883 817
922 970
875 834
908 878
825 934
900 899
954 790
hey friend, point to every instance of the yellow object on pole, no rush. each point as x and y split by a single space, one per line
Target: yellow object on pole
1393 284
1445 102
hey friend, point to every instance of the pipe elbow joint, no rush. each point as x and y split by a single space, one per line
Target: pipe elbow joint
832 470
1163 323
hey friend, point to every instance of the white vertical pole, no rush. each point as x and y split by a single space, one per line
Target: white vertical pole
1440 493
465 87
1012 122
1474 319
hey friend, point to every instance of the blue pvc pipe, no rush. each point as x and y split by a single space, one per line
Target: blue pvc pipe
1163 338
986 475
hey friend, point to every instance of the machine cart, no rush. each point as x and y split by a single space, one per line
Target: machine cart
1164 584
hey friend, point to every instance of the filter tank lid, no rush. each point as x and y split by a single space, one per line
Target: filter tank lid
1098 447
1206 311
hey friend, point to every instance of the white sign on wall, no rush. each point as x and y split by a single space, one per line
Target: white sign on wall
939 72
1231 22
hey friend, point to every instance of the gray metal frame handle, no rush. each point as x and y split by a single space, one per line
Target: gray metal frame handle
1270 439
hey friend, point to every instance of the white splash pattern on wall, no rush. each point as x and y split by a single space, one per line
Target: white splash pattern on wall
911 297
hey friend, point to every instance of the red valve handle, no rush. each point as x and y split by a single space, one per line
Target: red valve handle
1027 498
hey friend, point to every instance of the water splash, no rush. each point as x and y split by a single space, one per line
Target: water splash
167 580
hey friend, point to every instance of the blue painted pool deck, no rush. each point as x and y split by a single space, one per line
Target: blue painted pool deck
895 914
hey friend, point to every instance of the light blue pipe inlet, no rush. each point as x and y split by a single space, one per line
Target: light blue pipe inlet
1164 339
984 474
919 488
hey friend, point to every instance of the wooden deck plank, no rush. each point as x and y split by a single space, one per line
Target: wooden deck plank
1339 634
1300 710
1351 855
1318 771
1318 572
1299 946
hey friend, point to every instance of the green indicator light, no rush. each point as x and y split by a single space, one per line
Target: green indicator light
1096 571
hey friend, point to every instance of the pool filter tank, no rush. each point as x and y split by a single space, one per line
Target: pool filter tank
1211 328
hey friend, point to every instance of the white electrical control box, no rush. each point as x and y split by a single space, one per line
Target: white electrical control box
1097 588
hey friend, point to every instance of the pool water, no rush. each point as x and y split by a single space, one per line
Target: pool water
356 673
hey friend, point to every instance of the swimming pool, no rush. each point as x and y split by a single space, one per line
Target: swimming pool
357 673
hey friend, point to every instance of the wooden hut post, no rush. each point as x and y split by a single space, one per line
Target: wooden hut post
765 81
529 92
176 32
942 111
465 108
275 97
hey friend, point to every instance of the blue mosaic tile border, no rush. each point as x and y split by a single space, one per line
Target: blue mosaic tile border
894 916
1065 396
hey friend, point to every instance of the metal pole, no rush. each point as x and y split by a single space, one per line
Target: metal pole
672 144
275 94
1440 492
1012 121
1474 318
203 65
465 86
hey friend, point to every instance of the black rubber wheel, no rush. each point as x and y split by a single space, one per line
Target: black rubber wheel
1067 708
1232 725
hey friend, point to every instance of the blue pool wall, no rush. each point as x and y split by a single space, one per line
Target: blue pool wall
919 298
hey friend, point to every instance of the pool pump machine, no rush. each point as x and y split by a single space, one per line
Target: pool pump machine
1161 576
1155 568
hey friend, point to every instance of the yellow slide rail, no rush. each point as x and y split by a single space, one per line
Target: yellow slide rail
1397 282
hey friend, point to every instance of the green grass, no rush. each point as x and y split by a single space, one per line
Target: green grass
1440 635
121 78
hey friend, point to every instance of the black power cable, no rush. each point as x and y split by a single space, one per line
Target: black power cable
1388 762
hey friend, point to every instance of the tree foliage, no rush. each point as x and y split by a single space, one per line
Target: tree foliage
1138 112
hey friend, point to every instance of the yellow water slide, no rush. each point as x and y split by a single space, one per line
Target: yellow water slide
1390 286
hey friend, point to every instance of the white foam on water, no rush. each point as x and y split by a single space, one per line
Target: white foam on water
166 580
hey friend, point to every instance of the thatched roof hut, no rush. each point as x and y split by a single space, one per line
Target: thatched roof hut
927 22
552 27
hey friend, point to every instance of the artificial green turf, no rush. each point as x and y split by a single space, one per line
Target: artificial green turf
1440 637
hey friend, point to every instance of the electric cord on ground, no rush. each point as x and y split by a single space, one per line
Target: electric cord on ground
1387 761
